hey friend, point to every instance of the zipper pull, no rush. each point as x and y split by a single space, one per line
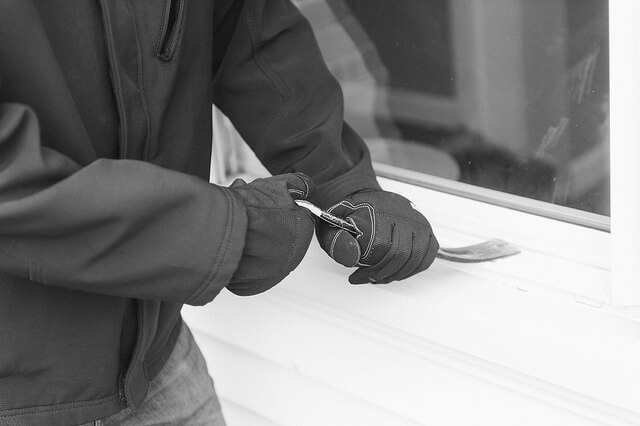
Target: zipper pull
121 382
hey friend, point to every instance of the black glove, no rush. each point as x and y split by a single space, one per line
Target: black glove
395 241
278 232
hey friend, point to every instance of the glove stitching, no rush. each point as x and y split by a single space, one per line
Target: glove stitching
294 247
306 188
333 242
297 191
372 214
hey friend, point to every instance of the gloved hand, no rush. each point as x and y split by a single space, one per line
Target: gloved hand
278 233
396 241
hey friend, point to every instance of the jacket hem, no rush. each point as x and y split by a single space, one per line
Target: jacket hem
66 413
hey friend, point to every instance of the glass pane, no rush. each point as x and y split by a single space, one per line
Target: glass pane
511 95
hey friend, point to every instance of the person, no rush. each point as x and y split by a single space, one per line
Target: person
108 223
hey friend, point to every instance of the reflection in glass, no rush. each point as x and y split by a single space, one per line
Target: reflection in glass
509 95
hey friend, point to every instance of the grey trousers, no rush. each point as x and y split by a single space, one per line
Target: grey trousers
181 394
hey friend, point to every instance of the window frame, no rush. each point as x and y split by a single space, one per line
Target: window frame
625 157
498 198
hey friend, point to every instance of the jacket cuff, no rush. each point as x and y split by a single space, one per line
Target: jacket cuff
360 177
228 253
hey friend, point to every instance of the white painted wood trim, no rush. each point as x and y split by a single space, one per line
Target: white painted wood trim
419 350
625 149
568 260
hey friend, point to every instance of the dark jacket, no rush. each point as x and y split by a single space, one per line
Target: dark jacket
107 221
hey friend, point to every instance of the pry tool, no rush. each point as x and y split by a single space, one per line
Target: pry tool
482 252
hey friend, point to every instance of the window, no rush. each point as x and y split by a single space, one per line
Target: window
502 101
512 96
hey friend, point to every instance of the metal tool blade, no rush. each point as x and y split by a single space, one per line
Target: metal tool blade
482 252
329 217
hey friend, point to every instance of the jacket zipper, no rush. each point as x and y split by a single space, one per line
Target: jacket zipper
115 76
122 380
170 33
121 393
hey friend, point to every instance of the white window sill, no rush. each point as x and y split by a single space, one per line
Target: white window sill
570 260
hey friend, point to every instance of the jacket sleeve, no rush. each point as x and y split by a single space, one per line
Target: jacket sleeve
273 84
116 227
